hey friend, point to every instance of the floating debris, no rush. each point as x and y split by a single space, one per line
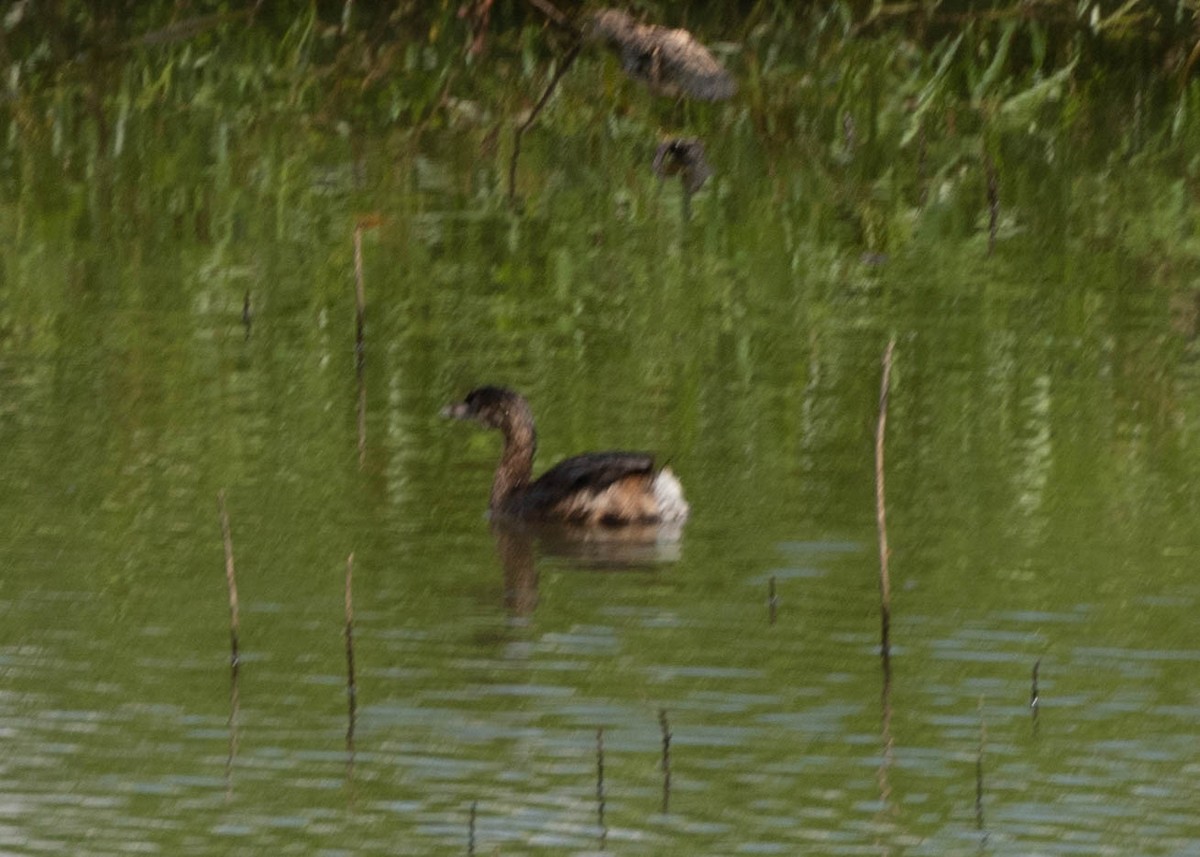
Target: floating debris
684 157
670 62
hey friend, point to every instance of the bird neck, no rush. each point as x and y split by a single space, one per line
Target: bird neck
516 462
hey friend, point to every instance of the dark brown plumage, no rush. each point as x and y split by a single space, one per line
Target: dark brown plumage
683 157
607 489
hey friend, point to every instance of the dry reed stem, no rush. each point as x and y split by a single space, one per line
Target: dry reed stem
234 631
885 582
231 581
360 300
360 347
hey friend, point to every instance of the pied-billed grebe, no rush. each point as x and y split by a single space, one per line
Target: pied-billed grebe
608 489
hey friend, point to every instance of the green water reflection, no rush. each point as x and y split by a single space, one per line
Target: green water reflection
1043 449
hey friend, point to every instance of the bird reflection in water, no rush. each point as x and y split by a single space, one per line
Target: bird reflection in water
519 544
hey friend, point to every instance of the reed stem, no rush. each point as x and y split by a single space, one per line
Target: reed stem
360 302
666 759
351 683
234 633
885 581
1034 695
600 786
231 582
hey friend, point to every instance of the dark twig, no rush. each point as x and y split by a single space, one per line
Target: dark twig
567 61
471 829
556 16
772 600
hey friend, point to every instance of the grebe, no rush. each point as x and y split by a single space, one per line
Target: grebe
597 489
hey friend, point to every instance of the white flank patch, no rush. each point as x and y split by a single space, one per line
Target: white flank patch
669 494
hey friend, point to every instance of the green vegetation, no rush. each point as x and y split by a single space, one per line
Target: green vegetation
1008 189
876 95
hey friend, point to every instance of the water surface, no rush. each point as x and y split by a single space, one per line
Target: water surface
1042 455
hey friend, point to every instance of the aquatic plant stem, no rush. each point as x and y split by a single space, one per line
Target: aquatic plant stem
666 759
234 632
351 684
885 583
360 301
231 581
600 786
979 771
1035 698
360 347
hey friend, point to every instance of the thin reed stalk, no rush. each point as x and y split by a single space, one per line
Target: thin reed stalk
979 770
231 582
234 633
1035 698
351 683
885 581
360 333
360 302
666 759
600 787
